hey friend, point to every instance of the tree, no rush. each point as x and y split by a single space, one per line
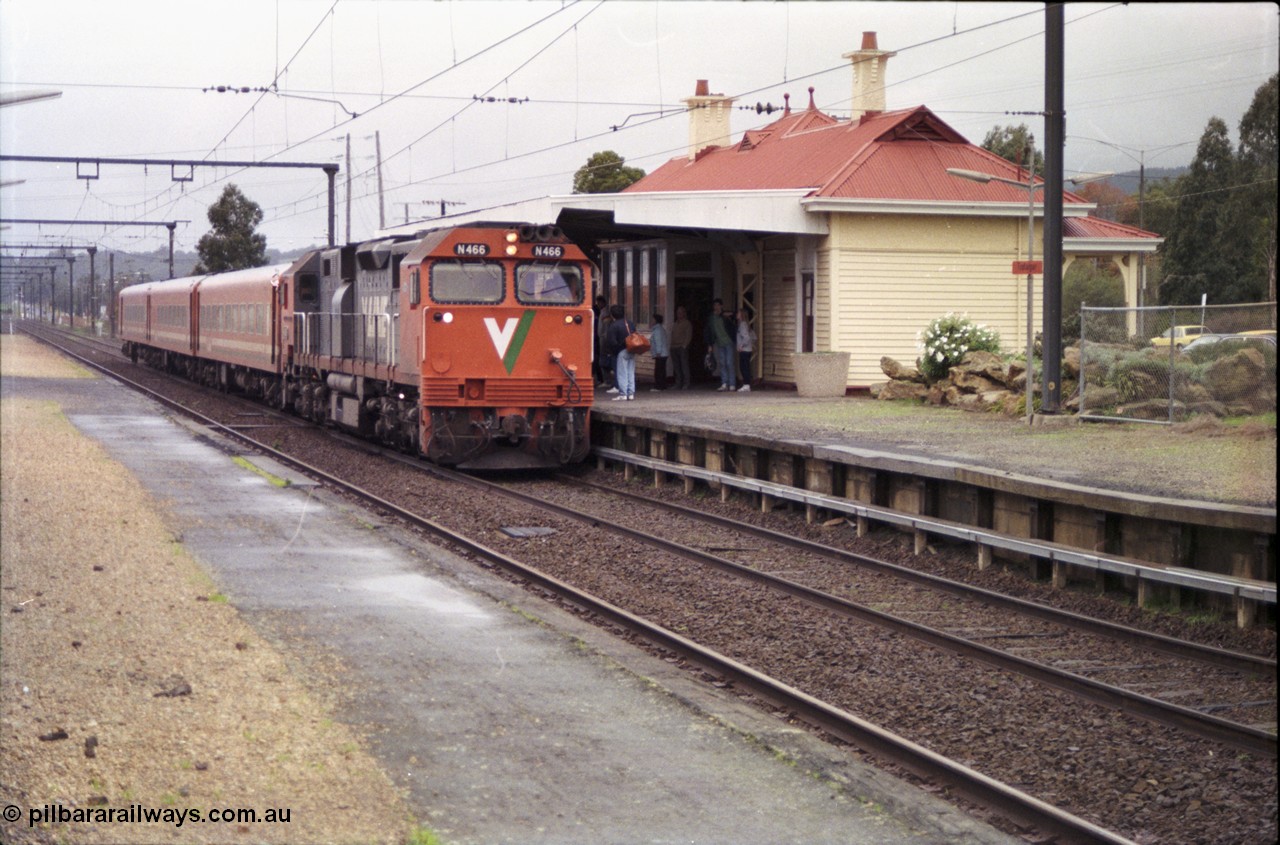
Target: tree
1158 209
232 244
605 173
1010 143
1258 155
1111 201
1206 250
1093 283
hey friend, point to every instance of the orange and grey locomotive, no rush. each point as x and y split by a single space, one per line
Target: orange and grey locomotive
469 345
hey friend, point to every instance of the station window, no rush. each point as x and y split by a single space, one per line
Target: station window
640 283
613 283
636 277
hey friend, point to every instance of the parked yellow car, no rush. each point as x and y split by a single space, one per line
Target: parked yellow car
1179 336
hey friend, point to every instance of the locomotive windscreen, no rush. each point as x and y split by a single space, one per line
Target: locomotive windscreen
548 284
467 281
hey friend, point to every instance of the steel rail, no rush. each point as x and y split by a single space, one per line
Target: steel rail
969 783
1237 588
1212 655
1239 736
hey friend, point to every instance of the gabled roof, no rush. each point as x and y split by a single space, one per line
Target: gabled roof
896 155
1096 227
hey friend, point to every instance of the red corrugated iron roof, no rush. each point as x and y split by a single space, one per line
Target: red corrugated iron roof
1096 227
898 155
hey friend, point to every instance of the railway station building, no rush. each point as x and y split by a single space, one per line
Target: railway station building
843 235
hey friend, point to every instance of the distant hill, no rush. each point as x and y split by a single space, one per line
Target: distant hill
1128 181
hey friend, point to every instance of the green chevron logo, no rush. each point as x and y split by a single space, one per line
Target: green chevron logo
509 339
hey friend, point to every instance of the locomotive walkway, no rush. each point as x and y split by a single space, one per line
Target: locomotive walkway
526 726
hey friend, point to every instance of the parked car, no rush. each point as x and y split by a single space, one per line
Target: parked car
1241 339
1179 336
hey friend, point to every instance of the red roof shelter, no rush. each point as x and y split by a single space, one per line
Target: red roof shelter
834 234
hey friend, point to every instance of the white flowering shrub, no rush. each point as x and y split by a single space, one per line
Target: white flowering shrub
945 341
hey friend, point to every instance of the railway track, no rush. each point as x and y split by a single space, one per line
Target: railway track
860 642
1014 635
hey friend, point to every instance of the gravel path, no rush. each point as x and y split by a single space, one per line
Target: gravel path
114 638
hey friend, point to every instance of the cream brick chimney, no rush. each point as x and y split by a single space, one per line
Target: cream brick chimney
868 76
708 119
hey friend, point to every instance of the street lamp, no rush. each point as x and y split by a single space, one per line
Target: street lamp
1031 186
1141 159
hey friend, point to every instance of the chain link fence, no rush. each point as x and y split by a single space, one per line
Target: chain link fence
1169 364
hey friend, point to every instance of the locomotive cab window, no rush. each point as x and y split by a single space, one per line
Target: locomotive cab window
549 284
467 281
308 290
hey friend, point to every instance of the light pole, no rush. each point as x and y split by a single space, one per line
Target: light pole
1031 185
1141 159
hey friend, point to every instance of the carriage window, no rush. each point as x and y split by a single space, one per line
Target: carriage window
549 284
467 281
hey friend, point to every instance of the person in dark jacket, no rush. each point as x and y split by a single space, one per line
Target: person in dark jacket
615 343
598 369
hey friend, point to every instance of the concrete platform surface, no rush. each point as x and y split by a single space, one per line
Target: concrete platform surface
505 719
1208 463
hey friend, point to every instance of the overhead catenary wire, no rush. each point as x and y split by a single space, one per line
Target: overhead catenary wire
417 85
663 114
580 134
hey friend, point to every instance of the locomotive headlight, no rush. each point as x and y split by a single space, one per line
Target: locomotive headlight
568 318
511 249
443 316
512 237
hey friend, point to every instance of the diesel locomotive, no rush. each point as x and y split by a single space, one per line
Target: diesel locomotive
470 345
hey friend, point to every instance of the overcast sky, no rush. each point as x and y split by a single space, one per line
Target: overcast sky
586 76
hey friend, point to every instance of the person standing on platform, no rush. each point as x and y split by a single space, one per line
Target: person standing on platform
607 360
615 344
720 337
660 349
746 344
597 357
681 337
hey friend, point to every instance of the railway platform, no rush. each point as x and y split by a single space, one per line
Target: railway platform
502 718
1171 500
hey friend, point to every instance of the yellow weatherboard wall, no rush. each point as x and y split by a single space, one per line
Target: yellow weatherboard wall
885 276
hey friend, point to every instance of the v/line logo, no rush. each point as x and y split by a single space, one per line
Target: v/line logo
509 339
